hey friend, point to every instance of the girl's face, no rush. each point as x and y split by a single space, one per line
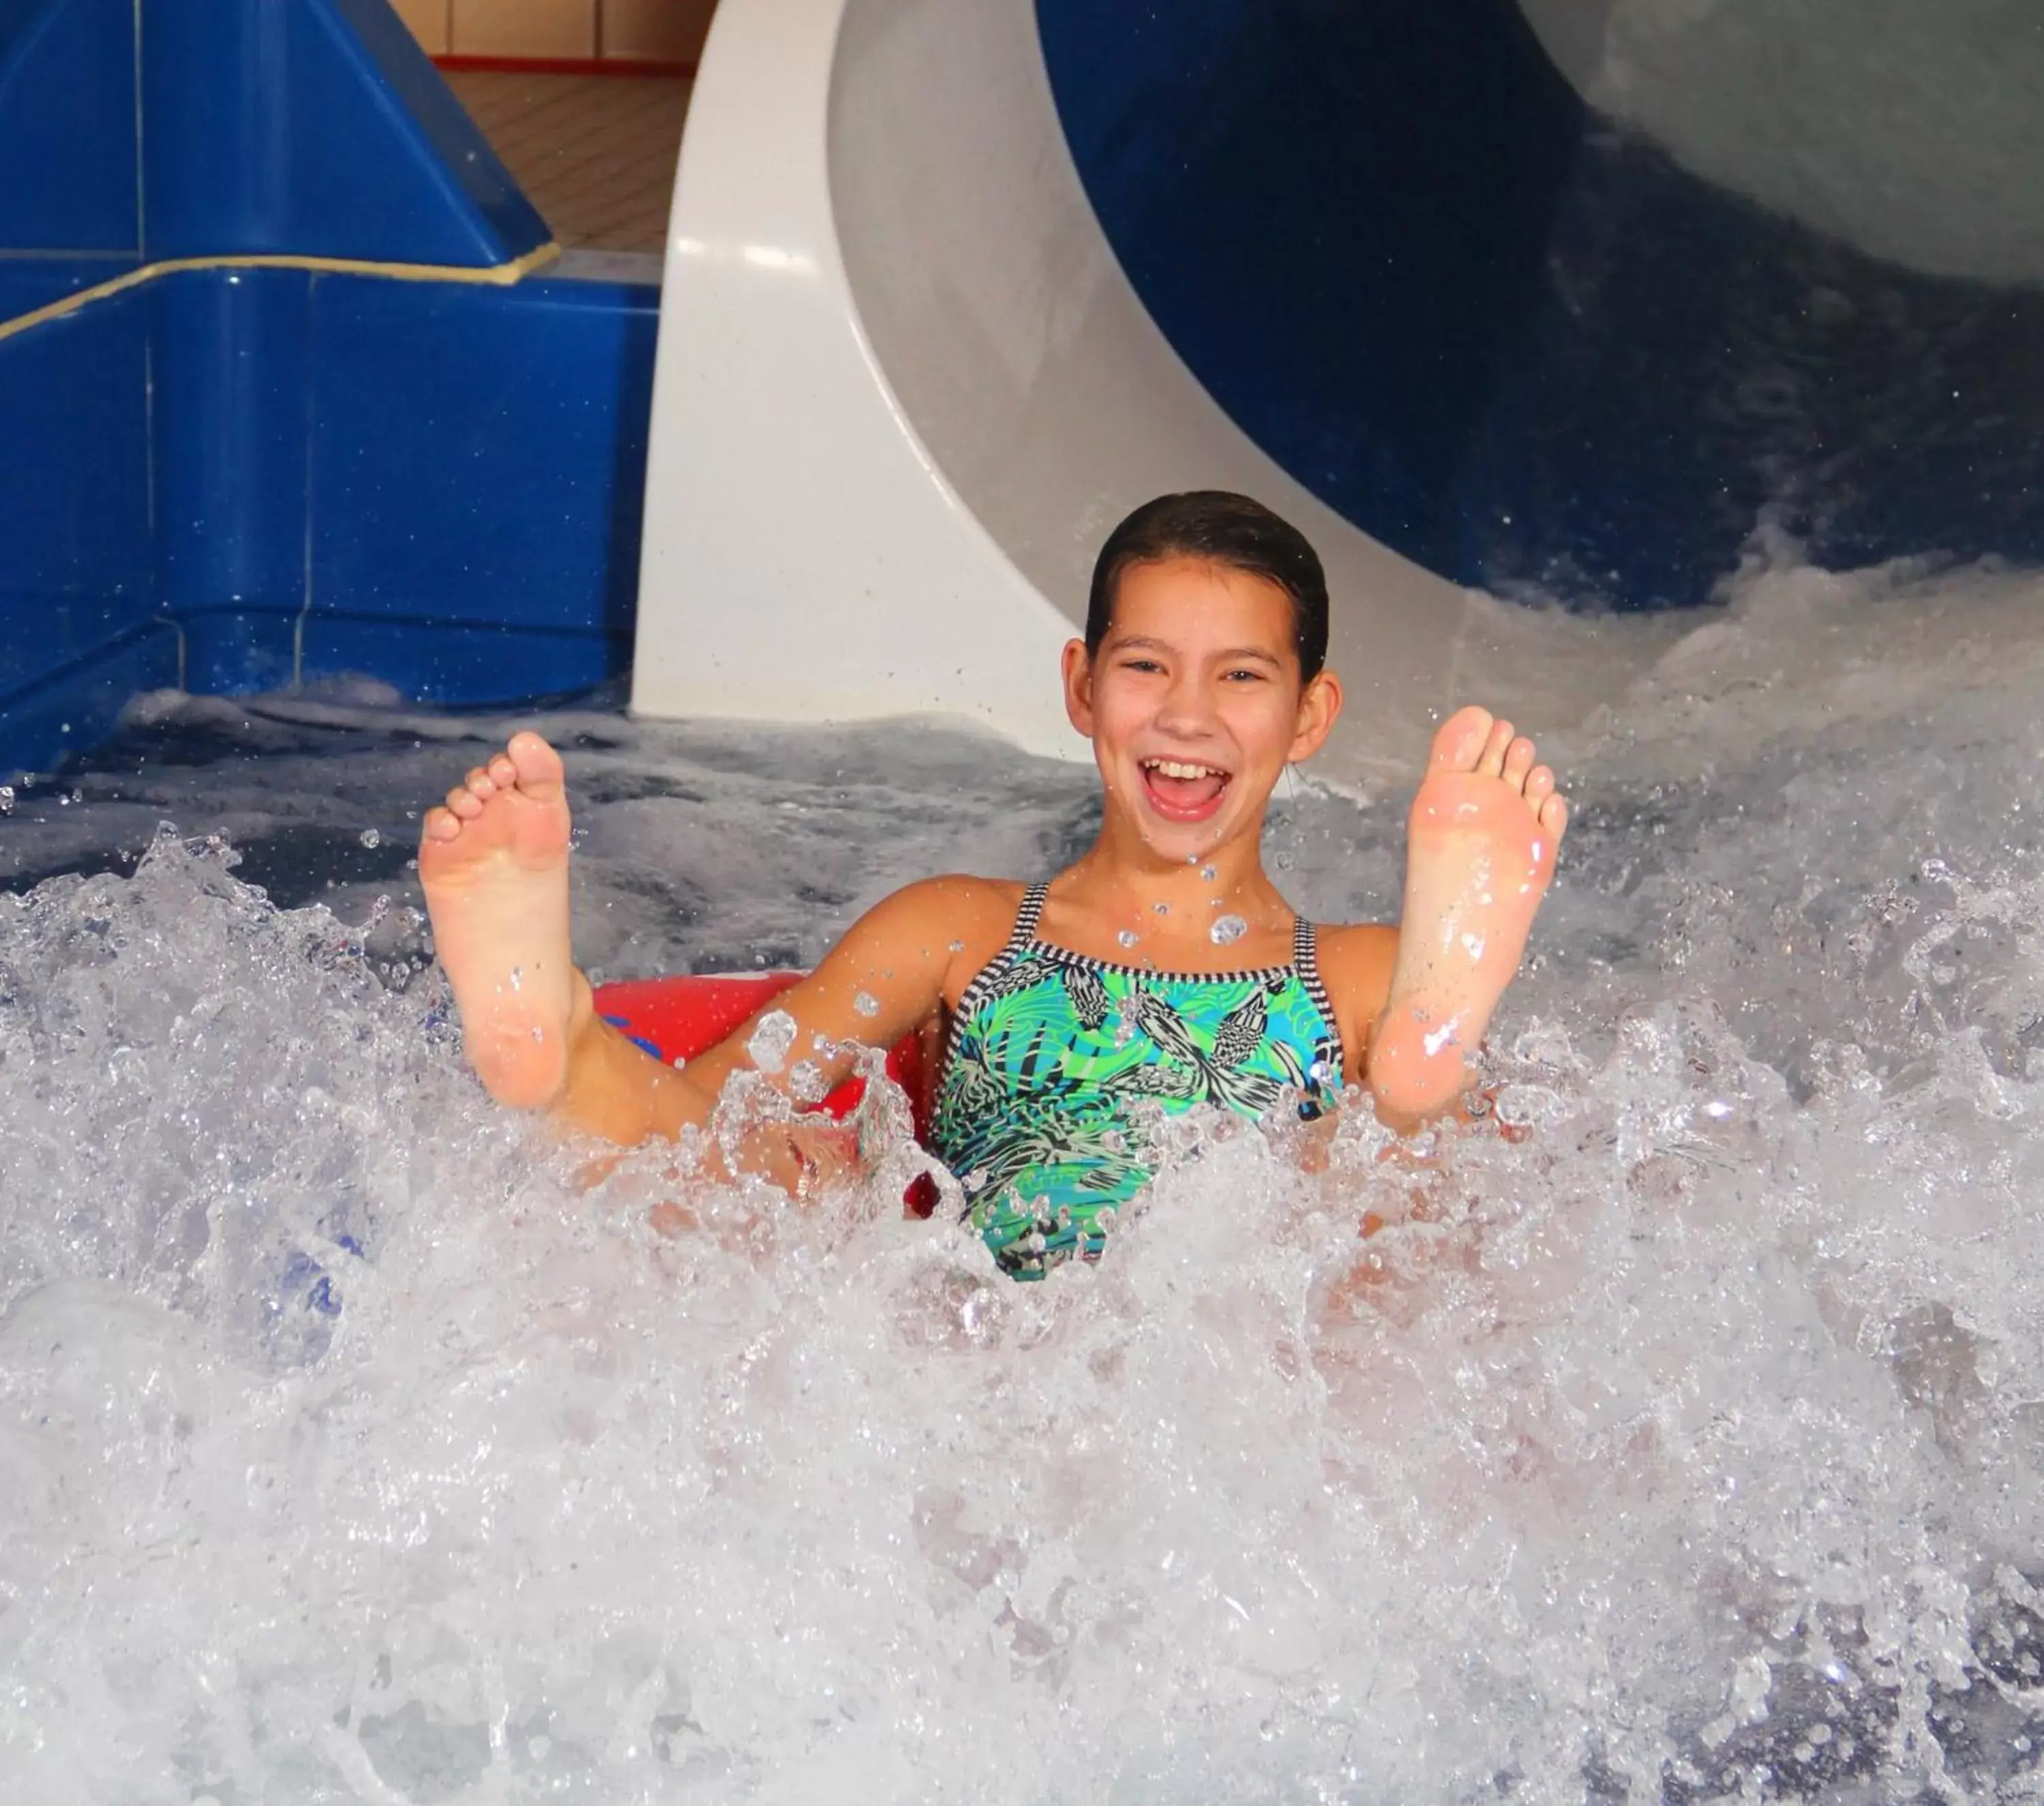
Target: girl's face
1194 703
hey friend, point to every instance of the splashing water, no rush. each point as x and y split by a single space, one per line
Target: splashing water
1676 1436
772 1041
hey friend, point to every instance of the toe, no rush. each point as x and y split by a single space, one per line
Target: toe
1539 786
538 765
1554 815
441 824
1518 762
480 784
1460 740
502 772
1491 763
464 802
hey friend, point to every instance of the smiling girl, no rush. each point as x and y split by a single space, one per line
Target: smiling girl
1163 969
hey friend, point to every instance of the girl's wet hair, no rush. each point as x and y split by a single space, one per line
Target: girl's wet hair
1230 529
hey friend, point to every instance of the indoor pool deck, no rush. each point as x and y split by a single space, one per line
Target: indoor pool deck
594 153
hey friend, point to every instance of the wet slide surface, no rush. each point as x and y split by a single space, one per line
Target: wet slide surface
1588 302
1515 340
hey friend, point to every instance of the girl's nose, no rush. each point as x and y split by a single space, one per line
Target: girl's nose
1188 705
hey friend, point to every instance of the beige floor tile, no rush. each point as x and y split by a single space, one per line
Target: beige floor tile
595 154
524 28
661 31
427 21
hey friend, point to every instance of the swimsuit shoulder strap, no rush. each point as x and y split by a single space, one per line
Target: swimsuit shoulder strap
1306 963
1016 945
1027 916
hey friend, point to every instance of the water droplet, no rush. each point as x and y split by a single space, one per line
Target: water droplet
7 798
805 1083
371 838
1226 928
517 978
1125 1023
957 946
1209 873
867 1004
1128 937
768 1048
1162 908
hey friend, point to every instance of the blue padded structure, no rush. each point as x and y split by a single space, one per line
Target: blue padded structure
318 128
74 490
68 126
237 478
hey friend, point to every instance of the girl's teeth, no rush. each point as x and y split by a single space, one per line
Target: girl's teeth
1171 768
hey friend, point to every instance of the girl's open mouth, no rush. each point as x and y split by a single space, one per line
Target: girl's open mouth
1184 790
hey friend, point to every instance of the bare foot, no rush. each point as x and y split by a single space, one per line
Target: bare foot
494 863
1480 851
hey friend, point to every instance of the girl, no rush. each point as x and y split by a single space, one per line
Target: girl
1163 969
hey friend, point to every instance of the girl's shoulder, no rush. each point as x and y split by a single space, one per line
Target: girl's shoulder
1355 960
1357 955
961 920
961 899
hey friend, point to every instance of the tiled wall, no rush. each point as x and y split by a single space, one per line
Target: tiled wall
660 31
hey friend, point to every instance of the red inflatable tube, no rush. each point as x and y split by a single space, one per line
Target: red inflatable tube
676 1018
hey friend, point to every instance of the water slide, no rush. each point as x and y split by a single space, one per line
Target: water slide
1530 317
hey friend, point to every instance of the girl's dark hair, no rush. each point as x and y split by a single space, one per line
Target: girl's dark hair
1230 530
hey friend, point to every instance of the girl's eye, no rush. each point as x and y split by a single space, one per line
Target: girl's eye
1252 676
1140 664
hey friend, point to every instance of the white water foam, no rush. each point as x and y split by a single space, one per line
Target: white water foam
1911 131
360 1443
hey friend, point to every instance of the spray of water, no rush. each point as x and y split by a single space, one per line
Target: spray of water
1678 1436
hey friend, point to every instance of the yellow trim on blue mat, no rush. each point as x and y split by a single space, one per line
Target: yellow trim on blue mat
493 275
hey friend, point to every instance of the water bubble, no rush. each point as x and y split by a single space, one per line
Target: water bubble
805 1083
1162 908
371 838
866 1004
1128 937
1209 873
1125 1023
7 800
1227 929
770 1042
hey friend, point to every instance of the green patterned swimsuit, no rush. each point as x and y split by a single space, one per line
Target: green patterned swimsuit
1050 1051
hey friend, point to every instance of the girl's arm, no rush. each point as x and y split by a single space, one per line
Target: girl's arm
886 978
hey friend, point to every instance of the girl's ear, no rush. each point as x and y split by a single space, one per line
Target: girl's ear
1320 708
1078 686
